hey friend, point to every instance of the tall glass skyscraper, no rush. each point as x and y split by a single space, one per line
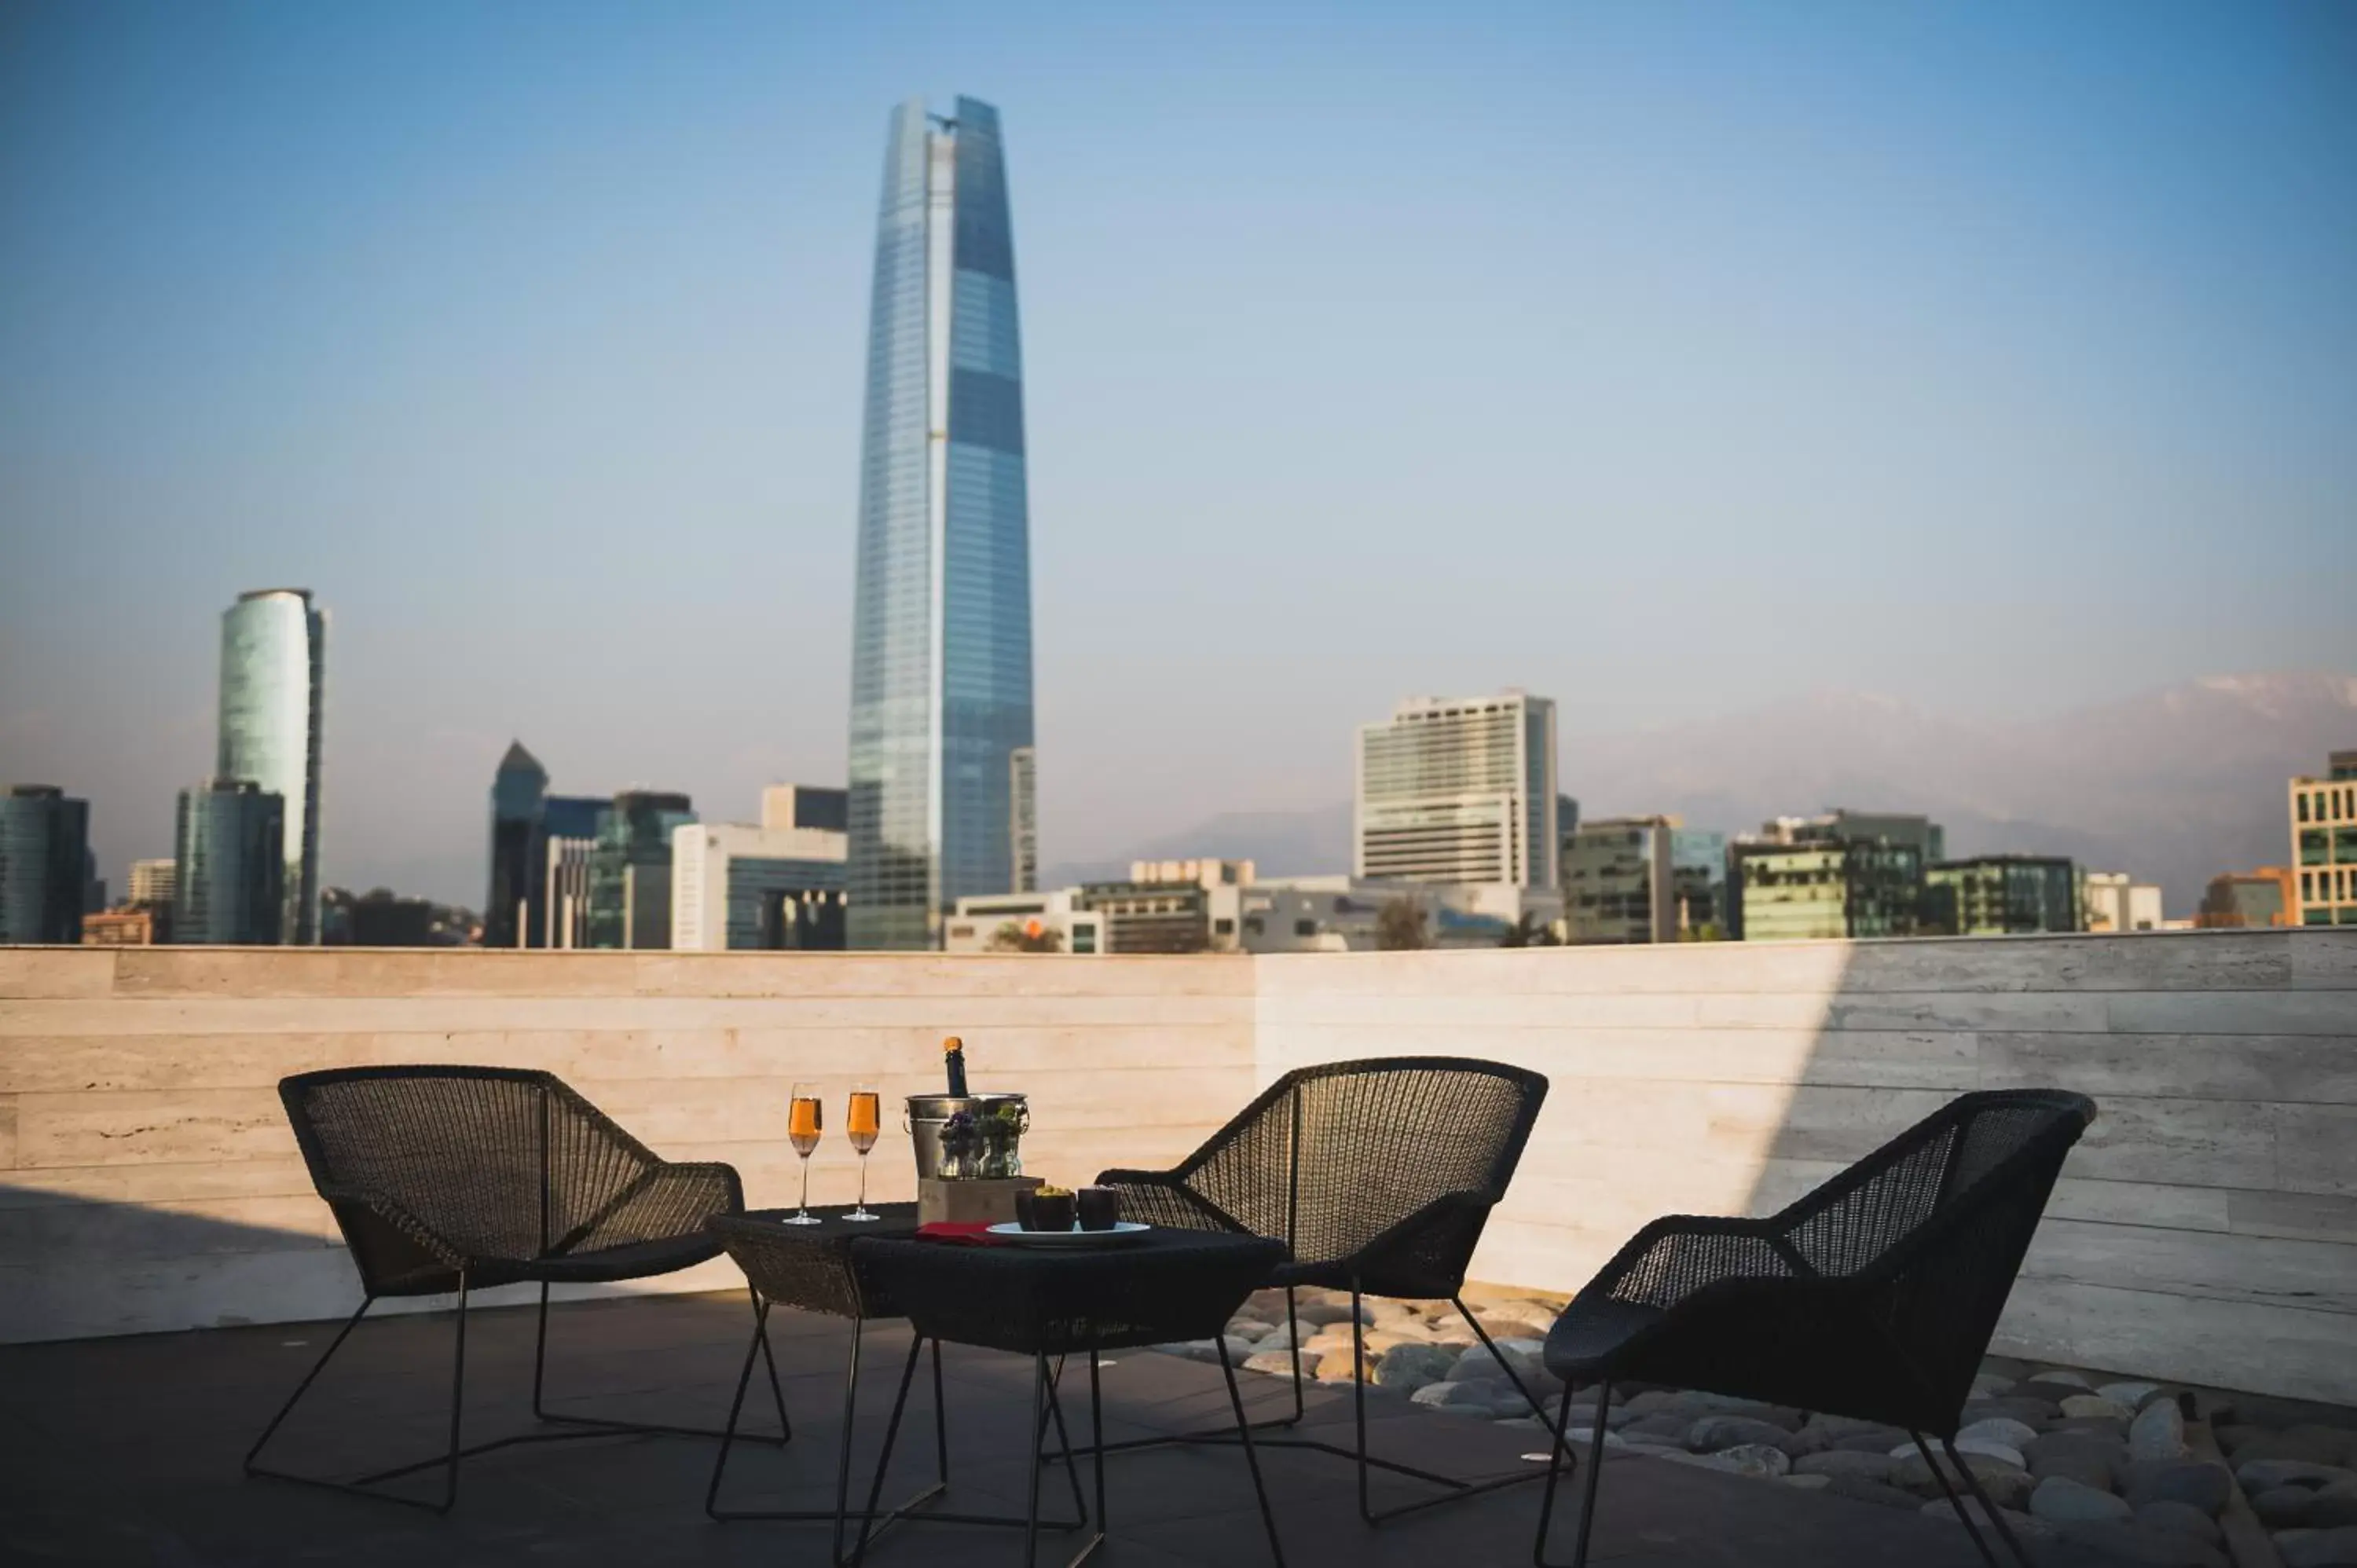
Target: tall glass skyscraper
272 670
940 682
44 847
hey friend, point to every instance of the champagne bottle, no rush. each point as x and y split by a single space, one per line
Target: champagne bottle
954 1053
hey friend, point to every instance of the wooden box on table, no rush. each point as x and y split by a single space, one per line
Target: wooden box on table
983 1200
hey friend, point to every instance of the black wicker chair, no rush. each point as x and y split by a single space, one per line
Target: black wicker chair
1378 1176
449 1179
1872 1297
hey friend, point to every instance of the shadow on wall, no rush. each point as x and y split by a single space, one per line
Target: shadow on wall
2206 1227
72 1268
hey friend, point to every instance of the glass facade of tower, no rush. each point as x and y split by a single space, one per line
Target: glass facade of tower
941 685
44 843
229 842
272 646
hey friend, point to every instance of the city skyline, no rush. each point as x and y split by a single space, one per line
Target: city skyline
1839 304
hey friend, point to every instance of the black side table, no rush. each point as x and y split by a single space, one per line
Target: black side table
1165 1285
810 1268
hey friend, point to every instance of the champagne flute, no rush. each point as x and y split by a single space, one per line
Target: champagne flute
861 1126
802 1120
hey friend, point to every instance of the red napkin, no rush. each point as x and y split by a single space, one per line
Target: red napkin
974 1233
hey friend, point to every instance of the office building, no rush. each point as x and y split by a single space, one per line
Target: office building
2268 896
630 869
2324 842
560 913
1459 790
44 864
806 806
1053 922
273 674
1825 887
2000 894
525 820
1699 886
1023 826
152 882
229 845
2113 901
1618 882
940 667
734 885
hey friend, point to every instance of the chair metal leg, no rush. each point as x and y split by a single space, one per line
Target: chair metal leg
1031 1490
603 1423
1505 1366
1252 1458
302 1388
1595 1474
839 1515
1955 1502
1454 1490
1997 1515
458 1401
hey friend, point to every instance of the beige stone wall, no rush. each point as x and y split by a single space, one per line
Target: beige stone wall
2207 1230
148 1180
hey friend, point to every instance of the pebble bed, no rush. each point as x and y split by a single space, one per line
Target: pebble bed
2101 1462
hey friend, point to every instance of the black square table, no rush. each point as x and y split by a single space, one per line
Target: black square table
813 1268
1161 1286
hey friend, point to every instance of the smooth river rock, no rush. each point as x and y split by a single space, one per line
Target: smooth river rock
2061 1500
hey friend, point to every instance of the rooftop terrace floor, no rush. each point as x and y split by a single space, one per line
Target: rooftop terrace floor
128 1450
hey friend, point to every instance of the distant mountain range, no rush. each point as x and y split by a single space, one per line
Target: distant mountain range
2175 785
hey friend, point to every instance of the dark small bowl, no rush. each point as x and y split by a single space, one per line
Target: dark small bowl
1100 1207
1023 1208
1050 1213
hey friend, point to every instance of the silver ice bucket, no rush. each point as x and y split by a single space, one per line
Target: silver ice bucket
928 1114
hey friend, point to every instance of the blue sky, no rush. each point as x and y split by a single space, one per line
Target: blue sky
1666 359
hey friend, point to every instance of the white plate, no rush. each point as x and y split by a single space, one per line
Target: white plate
1122 1230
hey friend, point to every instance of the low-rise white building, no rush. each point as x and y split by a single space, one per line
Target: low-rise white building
736 886
1344 914
1025 923
2113 901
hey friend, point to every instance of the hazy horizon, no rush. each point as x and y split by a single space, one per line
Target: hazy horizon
1671 361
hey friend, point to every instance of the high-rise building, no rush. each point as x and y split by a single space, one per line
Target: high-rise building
152 882
2113 901
560 914
2000 894
518 788
229 844
271 678
44 855
526 820
1459 790
940 667
629 871
1023 829
734 885
2324 842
